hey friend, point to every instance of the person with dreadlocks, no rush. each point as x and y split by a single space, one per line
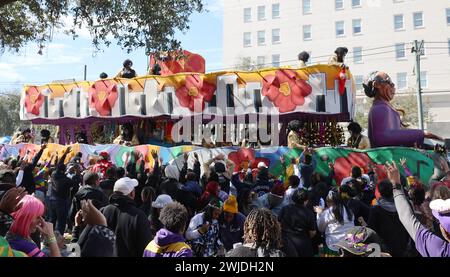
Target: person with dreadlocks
385 127
262 236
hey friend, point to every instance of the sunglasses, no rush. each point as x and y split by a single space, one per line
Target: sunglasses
386 81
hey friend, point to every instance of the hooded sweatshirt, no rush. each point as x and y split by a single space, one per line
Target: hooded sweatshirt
384 220
167 244
263 185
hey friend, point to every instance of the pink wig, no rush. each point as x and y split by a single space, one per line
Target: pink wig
30 209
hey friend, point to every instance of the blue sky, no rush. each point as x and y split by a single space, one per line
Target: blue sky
64 58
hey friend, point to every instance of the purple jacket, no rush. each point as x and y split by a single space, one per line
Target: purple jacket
427 243
385 128
430 245
167 244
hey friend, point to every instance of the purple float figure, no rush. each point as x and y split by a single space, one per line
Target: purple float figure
385 126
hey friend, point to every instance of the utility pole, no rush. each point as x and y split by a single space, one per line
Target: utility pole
85 72
417 49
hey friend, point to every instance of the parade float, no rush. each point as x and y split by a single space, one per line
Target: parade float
319 95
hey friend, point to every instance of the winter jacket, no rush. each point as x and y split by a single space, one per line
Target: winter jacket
28 178
385 222
233 232
296 223
130 224
262 185
170 187
167 244
427 243
88 192
107 187
61 185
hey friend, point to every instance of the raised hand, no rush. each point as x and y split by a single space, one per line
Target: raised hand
393 173
91 214
403 161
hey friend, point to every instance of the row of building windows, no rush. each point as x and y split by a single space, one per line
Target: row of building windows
261 13
402 80
399 19
261 61
261 38
338 5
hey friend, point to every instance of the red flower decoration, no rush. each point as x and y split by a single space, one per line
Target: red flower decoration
33 100
343 166
195 89
242 158
103 96
286 90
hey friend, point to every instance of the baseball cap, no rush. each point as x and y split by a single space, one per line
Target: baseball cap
441 211
361 241
125 185
161 201
262 164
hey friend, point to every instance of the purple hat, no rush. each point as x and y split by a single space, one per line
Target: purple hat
441 211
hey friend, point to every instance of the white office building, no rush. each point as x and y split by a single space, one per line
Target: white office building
378 34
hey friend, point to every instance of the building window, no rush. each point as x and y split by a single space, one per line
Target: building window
340 29
449 46
339 4
418 20
358 82
261 13
356 23
400 51
356 3
276 60
399 22
307 35
357 54
247 39
261 37
424 79
260 61
247 15
275 11
447 12
306 6
402 80
276 36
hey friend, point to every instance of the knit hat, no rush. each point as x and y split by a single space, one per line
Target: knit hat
441 211
104 154
212 187
125 185
161 201
230 205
